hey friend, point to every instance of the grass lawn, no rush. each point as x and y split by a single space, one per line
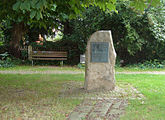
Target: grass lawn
153 88
41 68
37 95
137 69
75 68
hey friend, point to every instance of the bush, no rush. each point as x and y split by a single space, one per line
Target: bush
5 60
8 61
137 37
129 30
151 64
81 66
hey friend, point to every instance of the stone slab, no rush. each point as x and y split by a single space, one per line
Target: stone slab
100 110
100 62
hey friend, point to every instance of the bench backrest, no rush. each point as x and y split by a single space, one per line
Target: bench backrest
47 55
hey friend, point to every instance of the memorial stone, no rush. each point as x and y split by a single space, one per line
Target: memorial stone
100 62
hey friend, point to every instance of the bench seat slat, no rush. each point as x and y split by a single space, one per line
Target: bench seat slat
49 58
50 55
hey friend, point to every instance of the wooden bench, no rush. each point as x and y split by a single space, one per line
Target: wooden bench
46 55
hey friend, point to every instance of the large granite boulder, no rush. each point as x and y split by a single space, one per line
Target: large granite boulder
100 62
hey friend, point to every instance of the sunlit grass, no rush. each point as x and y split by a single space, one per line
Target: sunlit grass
153 88
41 68
75 68
137 69
37 95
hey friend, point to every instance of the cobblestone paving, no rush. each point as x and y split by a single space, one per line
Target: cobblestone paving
99 105
99 110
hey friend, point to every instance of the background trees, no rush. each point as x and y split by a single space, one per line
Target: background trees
19 17
137 37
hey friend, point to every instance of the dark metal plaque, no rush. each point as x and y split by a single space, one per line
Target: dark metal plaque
99 52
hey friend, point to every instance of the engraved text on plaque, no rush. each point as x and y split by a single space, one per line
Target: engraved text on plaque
99 52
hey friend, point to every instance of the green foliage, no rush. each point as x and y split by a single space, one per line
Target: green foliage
47 45
24 54
136 38
156 25
152 64
142 4
31 10
127 29
48 14
5 60
83 27
128 23
6 63
81 66
5 28
1 34
4 55
149 65
35 7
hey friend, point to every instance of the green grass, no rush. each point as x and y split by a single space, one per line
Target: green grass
137 69
41 68
75 68
153 88
35 96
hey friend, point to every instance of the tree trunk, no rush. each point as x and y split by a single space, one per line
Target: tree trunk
16 36
67 28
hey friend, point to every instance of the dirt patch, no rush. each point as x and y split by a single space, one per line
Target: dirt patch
41 72
72 72
75 90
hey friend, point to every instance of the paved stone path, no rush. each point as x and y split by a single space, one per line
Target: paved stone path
72 72
99 105
41 72
110 109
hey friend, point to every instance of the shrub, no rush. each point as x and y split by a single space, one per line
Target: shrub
152 64
137 37
8 61
5 60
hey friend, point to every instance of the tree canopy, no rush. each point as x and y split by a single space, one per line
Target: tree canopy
25 14
136 36
33 10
